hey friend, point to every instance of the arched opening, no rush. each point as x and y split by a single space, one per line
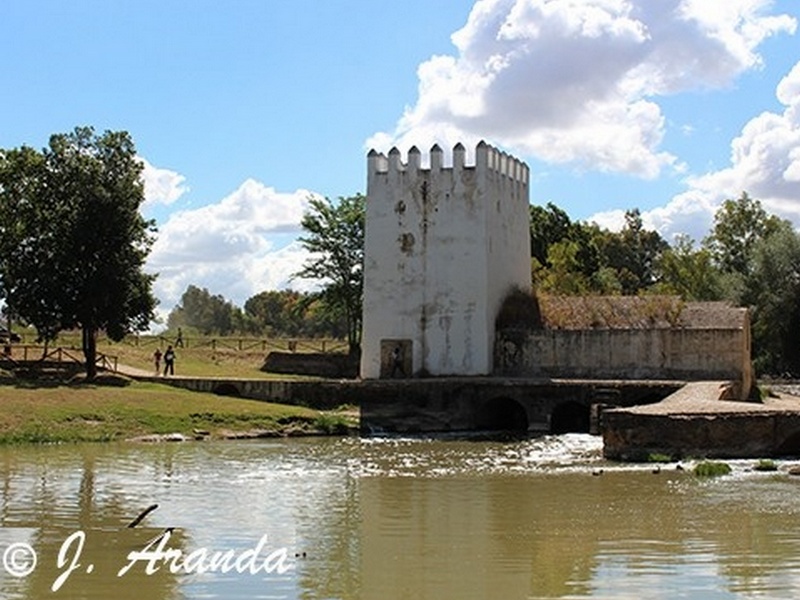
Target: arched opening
570 417
227 389
502 414
790 446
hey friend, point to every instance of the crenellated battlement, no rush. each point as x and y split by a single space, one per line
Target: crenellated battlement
487 158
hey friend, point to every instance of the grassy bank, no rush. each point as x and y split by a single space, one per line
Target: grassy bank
59 412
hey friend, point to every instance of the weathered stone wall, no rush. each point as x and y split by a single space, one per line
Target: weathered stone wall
443 246
633 437
686 354
311 363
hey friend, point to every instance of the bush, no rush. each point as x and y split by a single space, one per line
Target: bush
765 464
332 424
711 469
656 457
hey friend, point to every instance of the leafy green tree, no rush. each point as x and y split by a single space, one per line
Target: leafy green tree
564 275
82 242
548 225
22 173
772 290
758 255
564 254
632 253
688 272
280 312
335 238
202 311
738 227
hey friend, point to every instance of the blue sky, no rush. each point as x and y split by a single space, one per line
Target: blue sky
242 110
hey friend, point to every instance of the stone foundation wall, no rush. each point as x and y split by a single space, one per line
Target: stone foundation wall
633 437
340 366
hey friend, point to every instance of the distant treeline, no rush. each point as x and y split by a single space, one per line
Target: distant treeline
276 313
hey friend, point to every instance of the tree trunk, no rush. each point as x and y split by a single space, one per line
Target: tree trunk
90 351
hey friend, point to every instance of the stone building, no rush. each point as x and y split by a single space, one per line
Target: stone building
447 289
444 245
626 337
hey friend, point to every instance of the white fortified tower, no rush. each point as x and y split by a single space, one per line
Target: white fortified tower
443 247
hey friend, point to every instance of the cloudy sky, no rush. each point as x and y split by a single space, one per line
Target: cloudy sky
243 110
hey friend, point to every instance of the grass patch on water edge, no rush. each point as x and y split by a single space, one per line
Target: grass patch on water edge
62 413
709 468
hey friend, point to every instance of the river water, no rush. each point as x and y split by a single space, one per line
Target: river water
389 518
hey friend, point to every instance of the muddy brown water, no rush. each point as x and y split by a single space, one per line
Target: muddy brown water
389 518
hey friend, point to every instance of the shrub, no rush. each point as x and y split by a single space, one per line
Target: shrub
711 469
331 424
655 457
765 464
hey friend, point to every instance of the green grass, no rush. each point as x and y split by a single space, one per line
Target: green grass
53 413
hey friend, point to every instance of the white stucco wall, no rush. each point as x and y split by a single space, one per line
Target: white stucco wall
443 246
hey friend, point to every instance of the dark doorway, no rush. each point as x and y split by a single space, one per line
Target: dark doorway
570 417
502 414
227 389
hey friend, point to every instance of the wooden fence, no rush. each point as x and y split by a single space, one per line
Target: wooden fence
240 344
30 354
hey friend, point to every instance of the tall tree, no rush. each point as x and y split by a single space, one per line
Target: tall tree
21 179
563 275
281 312
632 253
772 290
688 272
738 227
548 225
335 238
201 310
78 261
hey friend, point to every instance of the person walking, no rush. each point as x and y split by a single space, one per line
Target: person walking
169 361
179 339
157 360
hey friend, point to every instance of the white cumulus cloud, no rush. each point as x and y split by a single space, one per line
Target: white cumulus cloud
231 247
162 186
765 162
577 81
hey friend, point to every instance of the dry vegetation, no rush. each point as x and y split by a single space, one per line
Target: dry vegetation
525 311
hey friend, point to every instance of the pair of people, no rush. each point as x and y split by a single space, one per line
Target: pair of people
169 361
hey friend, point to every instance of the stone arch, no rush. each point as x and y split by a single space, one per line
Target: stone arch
502 414
570 417
790 446
227 389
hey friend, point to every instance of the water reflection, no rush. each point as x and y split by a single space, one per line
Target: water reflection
401 519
